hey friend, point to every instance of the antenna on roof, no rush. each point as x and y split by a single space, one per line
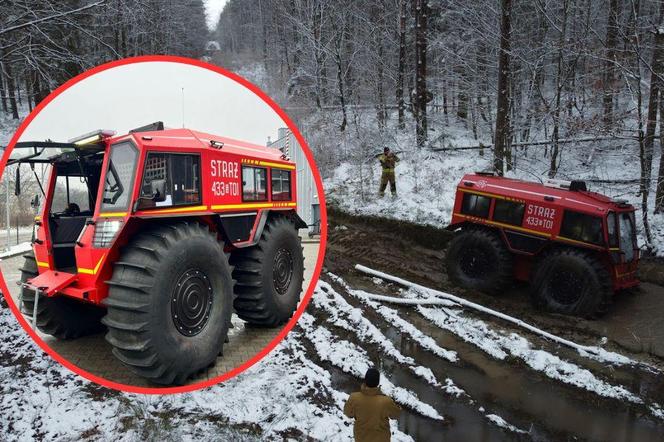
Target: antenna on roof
182 107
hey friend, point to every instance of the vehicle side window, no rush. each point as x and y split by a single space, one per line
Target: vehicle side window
611 227
508 212
627 235
254 183
475 205
582 227
181 173
70 192
281 187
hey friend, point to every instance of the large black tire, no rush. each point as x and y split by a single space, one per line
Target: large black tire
478 259
269 275
59 316
170 302
571 282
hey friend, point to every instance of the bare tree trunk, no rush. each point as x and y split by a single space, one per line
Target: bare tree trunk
382 113
473 116
11 88
555 134
503 95
28 90
264 36
657 67
421 11
609 64
636 49
40 93
655 100
462 108
318 55
296 37
401 70
342 95
659 196
512 120
3 88
378 17
483 84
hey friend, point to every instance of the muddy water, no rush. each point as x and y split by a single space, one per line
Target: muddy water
547 408
410 422
552 407
463 421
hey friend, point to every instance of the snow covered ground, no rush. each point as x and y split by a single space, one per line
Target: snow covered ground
296 392
16 249
285 394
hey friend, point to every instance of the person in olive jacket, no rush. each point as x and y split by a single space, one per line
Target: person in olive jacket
388 162
372 410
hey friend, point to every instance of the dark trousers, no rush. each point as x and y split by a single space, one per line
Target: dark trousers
388 177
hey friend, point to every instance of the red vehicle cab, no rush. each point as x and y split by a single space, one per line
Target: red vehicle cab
537 222
135 223
211 177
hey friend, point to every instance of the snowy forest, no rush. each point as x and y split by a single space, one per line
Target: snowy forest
530 89
510 82
44 43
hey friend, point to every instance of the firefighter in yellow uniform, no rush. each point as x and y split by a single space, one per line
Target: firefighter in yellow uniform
388 162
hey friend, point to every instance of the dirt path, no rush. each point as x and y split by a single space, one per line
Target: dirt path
530 398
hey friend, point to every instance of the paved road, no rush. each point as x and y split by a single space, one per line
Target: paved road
93 353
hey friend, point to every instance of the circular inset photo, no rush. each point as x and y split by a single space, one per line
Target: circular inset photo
170 224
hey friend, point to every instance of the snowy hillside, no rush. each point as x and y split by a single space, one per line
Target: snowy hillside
427 180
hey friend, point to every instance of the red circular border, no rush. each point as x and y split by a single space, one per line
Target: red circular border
323 220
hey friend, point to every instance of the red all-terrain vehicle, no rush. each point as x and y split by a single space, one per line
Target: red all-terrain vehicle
575 247
160 235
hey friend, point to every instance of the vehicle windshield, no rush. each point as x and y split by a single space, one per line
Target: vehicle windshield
627 235
35 154
119 178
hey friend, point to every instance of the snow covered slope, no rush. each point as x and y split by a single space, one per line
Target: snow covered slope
426 180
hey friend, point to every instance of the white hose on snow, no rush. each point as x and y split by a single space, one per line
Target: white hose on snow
446 298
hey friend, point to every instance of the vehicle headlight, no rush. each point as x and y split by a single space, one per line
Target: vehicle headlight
105 232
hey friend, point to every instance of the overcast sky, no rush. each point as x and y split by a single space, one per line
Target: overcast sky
212 10
134 95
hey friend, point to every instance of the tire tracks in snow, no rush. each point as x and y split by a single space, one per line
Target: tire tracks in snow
355 361
350 318
501 346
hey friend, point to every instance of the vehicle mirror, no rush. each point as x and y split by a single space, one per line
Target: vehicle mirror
158 188
17 183
34 203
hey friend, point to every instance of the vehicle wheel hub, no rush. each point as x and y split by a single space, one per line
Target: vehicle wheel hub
282 270
565 287
191 302
475 262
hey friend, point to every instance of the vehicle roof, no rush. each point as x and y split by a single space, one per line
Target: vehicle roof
583 201
191 139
